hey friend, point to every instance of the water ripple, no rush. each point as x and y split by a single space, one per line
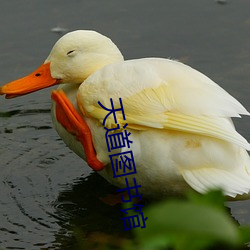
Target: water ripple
24 112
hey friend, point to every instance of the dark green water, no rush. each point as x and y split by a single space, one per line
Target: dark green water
46 191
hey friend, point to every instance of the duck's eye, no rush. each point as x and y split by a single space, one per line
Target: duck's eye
70 52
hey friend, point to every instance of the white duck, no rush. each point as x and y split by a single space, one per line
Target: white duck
179 119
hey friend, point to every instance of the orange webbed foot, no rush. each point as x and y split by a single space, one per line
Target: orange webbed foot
72 121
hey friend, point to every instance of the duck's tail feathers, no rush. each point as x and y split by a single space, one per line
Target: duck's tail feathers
232 182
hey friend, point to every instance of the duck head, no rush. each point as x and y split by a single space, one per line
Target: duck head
74 57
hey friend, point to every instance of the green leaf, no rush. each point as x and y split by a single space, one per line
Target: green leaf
181 222
245 234
212 197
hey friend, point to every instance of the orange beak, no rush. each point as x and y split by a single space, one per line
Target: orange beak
41 78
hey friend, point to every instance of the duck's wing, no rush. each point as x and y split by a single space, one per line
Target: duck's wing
162 94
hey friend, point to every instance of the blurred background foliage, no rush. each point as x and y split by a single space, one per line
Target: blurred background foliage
197 222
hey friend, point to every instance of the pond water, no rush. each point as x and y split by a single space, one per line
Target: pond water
46 191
